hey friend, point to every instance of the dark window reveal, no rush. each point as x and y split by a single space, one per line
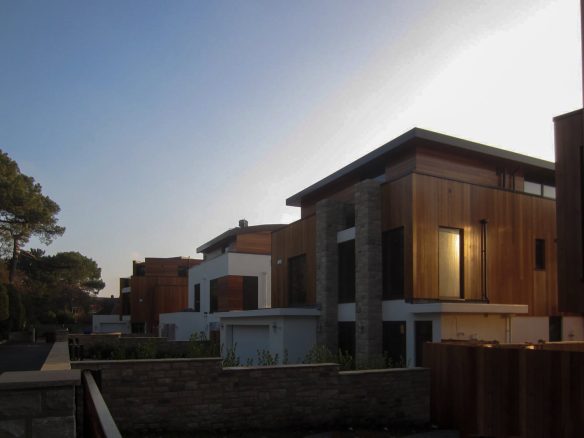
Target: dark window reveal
393 263
197 297
297 280
394 342
214 290
539 254
250 293
347 272
347 337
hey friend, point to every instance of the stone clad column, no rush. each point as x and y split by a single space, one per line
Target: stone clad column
329 216
368 293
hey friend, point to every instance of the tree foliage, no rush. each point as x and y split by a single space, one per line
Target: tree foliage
4 303
24 210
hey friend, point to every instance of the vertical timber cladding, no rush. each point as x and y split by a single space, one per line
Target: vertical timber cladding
296 239
515 220
569 141
396 211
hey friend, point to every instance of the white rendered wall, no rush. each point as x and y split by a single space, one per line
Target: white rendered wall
529 329
572 328
186 324
475 327
347 312
299 338
110 324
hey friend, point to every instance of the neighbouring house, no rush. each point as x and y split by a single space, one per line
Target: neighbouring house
157 285
108 317
233 276
428 237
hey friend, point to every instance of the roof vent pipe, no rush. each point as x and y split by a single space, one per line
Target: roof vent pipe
242 223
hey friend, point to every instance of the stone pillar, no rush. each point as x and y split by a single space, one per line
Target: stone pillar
329 215
368 293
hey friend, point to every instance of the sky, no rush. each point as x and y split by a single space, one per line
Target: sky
157 125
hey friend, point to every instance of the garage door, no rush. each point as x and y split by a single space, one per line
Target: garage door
250 339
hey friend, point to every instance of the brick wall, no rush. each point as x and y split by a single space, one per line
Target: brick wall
38 404
197 394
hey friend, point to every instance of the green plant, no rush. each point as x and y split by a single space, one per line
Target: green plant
230 359
265 358
321 354
199 346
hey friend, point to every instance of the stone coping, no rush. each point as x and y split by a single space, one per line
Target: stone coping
383 370
299 365
39 379
58 358
80 363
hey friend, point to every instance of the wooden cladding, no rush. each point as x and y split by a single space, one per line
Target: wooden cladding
515 221
236 292
569 141
253 243
296 239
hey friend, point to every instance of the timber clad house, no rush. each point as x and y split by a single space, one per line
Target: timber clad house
234 275
157 285
426 238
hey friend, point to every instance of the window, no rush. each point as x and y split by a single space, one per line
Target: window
347 337
347 272
250 293
549 192
394 342
532 188
450 263
555 328
393 263
214 290
197 297
297 280
539 254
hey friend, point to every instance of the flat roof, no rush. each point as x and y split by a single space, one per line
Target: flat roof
407 138
270 312
236 231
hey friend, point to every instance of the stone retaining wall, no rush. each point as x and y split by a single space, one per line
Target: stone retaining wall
38 404
197 394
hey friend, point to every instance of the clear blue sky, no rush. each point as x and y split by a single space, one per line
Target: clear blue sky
156 125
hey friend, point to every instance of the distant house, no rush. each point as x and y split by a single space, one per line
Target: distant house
107 317
234 275
157 285
426 238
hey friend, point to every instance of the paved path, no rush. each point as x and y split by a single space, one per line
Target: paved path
23 357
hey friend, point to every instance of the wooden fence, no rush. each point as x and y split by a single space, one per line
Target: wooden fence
507 390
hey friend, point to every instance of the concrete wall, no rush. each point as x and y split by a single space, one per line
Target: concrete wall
38 404
187 395
187 323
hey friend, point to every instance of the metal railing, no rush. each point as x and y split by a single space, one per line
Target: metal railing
98 421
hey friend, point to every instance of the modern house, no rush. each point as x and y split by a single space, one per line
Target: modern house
428 237
234 275
157 285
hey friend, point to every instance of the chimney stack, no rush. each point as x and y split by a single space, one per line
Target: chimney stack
242 223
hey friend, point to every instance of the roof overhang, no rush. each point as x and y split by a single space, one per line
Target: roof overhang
410 138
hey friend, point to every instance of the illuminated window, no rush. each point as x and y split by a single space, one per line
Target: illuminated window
450 263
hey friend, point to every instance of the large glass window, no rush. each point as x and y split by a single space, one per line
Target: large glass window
393 263
450 263
250 293
347 272
297 280
214 292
